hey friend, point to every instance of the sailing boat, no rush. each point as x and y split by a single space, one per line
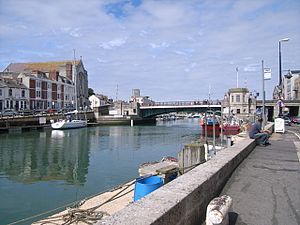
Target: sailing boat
69 122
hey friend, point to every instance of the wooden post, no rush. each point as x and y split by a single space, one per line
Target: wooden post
191 156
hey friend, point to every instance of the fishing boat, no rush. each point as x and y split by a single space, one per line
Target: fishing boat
209 122
231 127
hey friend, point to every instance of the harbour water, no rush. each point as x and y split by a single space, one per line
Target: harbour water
40 171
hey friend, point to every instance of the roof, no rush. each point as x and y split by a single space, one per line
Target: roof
9 75
41 66
10 83
238 90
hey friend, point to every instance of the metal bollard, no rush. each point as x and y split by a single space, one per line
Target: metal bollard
217 211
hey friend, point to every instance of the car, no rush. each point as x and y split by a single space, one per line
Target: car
9 112
25 112
296 120
287 121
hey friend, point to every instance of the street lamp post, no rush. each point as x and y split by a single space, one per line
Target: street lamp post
279 54
280 71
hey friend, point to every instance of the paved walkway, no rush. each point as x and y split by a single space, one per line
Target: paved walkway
265 188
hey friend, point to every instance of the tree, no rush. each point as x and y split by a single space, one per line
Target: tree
90 92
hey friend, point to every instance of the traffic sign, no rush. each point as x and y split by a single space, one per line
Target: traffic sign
267 73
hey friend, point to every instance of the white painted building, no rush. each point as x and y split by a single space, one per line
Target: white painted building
13 94
239 102
290 87
97 101
137 98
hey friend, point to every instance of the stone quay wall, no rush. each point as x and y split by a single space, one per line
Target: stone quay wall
184 200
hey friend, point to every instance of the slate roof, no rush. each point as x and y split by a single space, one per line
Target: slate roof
11 84
41 66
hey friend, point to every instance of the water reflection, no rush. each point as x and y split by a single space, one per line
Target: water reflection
46 156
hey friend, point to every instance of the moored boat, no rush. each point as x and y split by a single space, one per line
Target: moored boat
68 124
208 123
231 128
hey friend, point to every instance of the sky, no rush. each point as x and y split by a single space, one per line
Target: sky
169 49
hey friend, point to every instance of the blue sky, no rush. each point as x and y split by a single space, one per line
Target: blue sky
170 49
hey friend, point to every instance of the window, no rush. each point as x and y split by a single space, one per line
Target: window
238 111
23 93
238 98
232 98
0 92
10 92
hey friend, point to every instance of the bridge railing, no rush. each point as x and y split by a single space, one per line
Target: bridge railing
183 103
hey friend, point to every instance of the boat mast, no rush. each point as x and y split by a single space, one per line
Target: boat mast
75 80
237 76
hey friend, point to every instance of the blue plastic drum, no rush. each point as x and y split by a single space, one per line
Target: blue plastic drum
146 185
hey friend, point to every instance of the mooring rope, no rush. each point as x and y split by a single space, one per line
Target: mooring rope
75 205
85 215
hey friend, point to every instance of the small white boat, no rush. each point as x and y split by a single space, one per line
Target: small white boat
68 124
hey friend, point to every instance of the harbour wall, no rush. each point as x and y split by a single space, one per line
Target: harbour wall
184 200
124 120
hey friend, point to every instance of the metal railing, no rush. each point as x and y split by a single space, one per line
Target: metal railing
183 103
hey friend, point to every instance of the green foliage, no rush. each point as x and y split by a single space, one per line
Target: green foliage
90 92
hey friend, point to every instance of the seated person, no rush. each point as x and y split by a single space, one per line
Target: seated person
257 132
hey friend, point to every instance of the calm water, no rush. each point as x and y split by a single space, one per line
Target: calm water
40 171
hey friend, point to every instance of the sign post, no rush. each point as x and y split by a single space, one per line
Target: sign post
266 75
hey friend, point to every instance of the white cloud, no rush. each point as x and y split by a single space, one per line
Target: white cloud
113 43
157 46
252 68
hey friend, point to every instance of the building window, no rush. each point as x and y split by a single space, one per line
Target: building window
232 98
10 92
238 98
0 92
238 111
23 93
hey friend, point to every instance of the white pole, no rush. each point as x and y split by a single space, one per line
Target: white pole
237 76
263 92
75 81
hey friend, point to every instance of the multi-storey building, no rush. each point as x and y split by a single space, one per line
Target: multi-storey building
13 94
45 93
290 86
240 102
54 84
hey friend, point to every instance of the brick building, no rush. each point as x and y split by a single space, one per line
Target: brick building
53 84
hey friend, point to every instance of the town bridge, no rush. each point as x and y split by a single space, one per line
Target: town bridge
157 108
293 107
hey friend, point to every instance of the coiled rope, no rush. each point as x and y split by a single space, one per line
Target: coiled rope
75 214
